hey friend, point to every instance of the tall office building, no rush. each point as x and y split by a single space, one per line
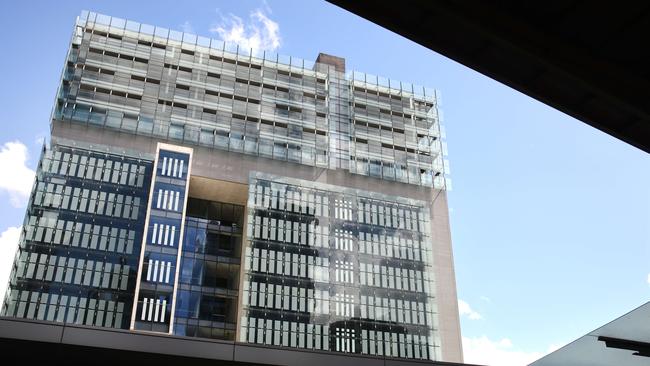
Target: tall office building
196 189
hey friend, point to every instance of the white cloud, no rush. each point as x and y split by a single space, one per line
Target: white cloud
187 27
17 178
8 245
465 309
648 279
485 298
259 32
484 351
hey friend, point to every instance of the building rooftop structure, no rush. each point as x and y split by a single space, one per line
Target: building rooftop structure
392 130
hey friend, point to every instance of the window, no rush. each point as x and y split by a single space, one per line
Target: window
344 305
159 271
343 240
343 271
345 340
168 200
343 209
176 132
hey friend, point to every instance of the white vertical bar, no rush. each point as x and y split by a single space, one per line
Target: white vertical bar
162 313
144 309
164 204
171 200
164 166
171 239
150 310
160 233
161 277
155 314
175 167
178 194
169 267
149 270
154 234
180 169
159 198
155 271
166 234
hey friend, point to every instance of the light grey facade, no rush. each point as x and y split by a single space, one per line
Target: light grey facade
279 202
336 268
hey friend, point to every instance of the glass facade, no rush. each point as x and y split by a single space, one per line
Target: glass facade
179 87
163 229
78 253
207 300
338 269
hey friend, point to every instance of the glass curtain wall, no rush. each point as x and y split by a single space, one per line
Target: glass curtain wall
338 269
207 298
78 253
179 87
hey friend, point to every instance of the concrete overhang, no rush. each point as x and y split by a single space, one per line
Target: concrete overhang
586 59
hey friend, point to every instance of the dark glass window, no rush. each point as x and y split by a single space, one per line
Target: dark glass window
212 308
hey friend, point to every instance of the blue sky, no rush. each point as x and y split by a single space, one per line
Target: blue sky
550 217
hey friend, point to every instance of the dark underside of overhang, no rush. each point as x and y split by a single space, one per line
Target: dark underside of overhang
33 342
587 59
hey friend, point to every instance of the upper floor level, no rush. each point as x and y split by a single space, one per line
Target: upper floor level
193 90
